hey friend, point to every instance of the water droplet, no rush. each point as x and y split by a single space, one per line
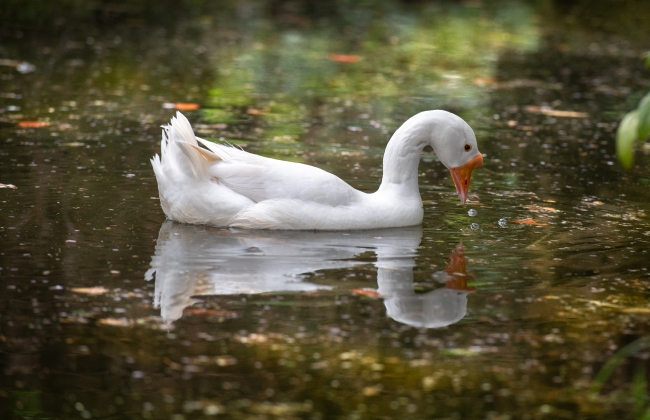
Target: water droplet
472 212
502 222
474 226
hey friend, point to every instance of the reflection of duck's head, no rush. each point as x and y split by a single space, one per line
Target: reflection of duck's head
435 309
457 270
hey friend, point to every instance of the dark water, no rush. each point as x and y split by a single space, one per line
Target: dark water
109 311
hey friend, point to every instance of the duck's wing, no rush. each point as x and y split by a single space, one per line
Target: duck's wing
260 178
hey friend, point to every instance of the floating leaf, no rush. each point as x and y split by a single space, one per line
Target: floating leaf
186 106
545 110
644 118
366 292
33 124
529 221
116 322
181 106
93 291
625 136
344 58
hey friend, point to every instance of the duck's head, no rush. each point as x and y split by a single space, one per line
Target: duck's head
454 143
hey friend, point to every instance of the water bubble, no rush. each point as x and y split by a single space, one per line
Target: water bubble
25 67
472 212
474 226
502 222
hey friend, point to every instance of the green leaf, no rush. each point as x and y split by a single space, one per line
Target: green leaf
611 365
639 391
625 137
644 118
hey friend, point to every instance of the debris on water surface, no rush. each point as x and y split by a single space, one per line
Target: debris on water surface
474 226
534 208
344 58
33 124
10 186
502 222
545 110
181 106
373 293
472 212
94 291
529 221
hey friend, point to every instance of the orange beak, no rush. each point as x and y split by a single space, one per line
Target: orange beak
462 174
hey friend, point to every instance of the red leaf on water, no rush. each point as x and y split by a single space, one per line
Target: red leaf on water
186 106
366 292
344 58
33 124
529 221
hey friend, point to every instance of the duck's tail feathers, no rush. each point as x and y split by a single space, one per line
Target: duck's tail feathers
182 165
180 154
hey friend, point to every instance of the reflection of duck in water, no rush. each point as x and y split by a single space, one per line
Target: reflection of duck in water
199 260
435 309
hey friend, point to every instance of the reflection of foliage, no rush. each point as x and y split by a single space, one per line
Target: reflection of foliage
640 392
428 54
634 127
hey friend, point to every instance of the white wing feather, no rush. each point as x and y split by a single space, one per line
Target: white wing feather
260 178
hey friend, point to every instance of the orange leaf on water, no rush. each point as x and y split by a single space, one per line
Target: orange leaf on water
33 124
529 221
366 292
93 291
186 106
344 58
545 110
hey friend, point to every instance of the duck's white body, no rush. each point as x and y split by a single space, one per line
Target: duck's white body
224 186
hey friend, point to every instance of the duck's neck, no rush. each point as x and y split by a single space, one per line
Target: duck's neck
402 157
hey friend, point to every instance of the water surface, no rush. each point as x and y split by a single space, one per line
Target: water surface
108 310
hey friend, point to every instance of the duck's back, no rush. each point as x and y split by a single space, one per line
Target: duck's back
261 178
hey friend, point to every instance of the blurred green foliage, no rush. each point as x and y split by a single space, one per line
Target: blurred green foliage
634 127
639 391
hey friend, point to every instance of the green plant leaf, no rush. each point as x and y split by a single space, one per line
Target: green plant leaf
625 137
639 392
611 365
644 118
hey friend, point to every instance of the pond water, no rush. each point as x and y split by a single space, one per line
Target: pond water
504 308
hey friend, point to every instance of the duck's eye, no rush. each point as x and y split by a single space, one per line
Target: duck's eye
468 147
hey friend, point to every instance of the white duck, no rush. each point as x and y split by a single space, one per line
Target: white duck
224 186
